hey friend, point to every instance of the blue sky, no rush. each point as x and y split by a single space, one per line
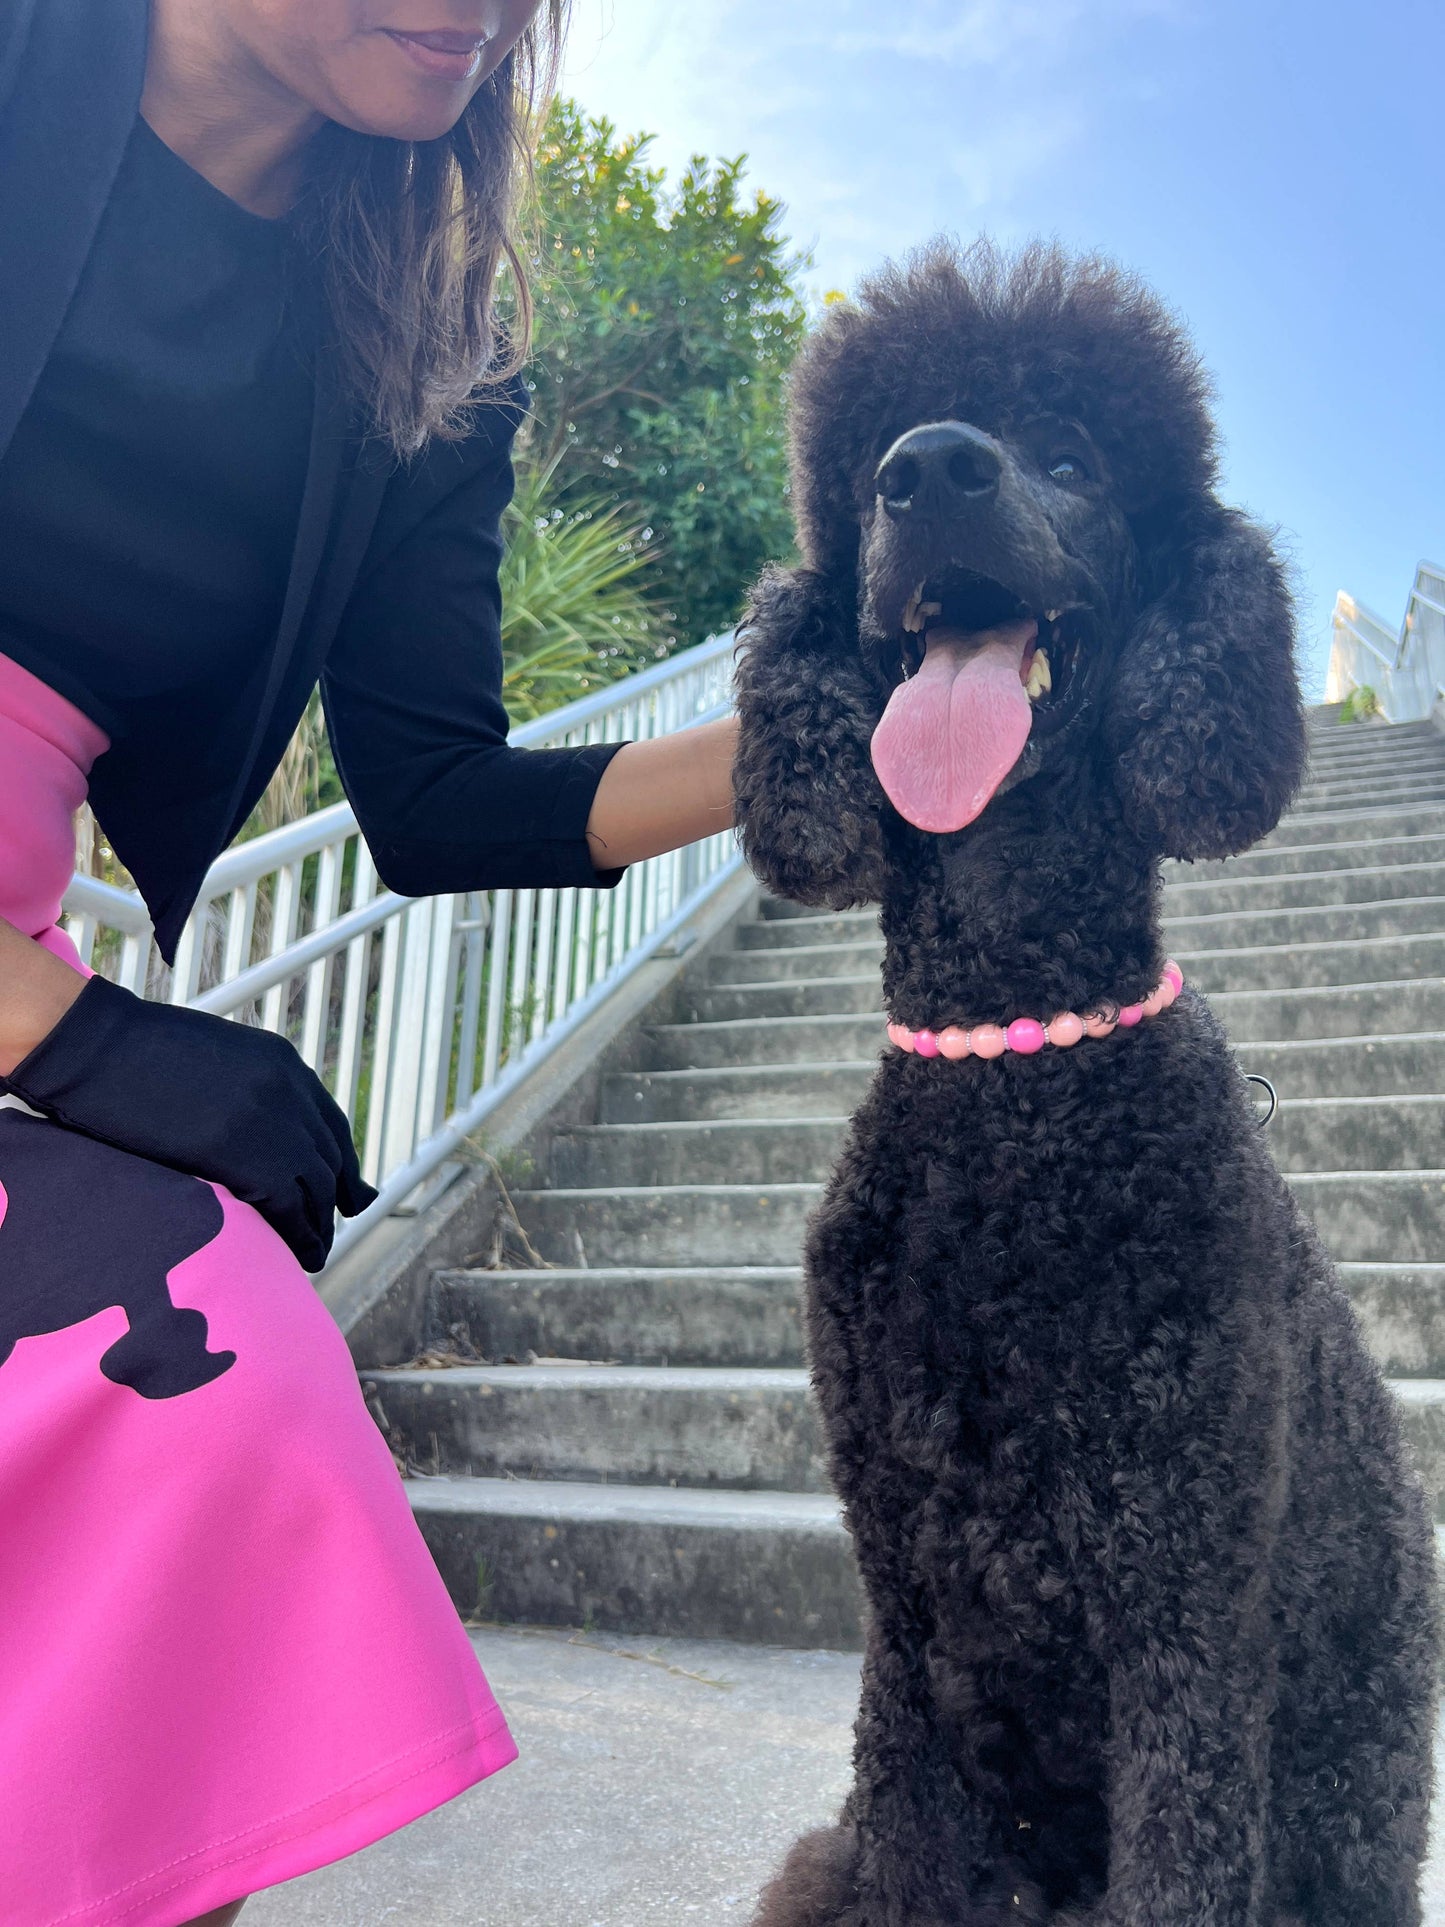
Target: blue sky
1275 170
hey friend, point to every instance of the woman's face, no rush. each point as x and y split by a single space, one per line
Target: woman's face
405 69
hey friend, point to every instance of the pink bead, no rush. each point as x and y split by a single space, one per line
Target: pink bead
1097 1025
1166 993
1174 974
1025 1035
987 1040
953 1043
1066 1030
925 1043
1130 1015
900 1035
1154 1003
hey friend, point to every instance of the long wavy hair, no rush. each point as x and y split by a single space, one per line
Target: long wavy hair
410 237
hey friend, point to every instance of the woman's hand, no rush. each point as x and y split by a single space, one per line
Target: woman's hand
658 795
218 1100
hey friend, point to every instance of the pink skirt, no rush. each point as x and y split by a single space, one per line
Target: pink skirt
226 1657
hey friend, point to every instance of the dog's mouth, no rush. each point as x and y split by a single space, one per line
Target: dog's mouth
982 673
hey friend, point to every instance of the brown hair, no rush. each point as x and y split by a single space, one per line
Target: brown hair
410 236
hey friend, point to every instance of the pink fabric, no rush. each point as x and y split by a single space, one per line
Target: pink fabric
226 1653
46 750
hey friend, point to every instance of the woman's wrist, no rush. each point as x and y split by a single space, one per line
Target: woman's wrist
659 795
36 990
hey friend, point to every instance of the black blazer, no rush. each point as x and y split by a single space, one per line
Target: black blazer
392 601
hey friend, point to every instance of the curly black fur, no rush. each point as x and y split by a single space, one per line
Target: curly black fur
1152 1620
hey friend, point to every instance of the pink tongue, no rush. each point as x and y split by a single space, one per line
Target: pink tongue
951 734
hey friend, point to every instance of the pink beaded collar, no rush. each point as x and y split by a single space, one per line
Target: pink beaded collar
1025 1035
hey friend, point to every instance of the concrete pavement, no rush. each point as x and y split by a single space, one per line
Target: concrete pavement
660 1782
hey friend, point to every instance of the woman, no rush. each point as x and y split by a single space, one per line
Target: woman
255 430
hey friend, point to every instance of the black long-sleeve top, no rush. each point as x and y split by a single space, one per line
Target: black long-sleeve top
190 537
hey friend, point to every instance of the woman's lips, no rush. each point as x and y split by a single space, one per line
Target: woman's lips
445 56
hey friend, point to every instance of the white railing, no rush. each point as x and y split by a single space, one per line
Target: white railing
421 1015
1406 670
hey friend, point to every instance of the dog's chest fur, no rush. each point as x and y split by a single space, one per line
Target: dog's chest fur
1005 1279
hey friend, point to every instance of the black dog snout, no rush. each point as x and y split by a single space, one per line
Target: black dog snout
940 466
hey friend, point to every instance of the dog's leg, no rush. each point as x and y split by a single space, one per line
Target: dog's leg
809 805
914 1847
929 1842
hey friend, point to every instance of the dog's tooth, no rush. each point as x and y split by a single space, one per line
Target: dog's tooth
927 610
1052 615
911 621
1040 677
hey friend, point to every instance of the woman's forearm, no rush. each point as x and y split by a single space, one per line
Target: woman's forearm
659 795
36 990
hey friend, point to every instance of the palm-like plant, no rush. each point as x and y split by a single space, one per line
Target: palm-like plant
574 613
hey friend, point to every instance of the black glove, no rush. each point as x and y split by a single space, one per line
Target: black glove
215 1099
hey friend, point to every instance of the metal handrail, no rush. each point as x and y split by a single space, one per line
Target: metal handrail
420 1015
1408 676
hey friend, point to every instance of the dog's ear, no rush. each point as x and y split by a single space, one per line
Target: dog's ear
809 806
1204 721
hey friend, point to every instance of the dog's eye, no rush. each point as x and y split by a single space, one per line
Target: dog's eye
1067 469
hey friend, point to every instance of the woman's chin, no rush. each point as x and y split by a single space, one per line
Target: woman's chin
384 96
400 120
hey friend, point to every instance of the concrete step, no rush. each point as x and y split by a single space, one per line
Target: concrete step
1421 768
1308 889
795 963
830 1038
615 1424
1387 1008
1350 853
1342 927
771 1567
841 927
1362 960
1328 754
1322 724
709 1315
738 1091
1344 826
1325 923
775 1150
1365 795
1348 1067
1390 1217
675 1315
797 997
1308 1134
697 1224
1401 1309
1419 759
1375 1216
1336 1133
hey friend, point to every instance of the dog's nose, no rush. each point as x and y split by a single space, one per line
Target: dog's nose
940 465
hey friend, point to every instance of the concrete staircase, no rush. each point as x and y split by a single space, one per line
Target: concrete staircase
654 1464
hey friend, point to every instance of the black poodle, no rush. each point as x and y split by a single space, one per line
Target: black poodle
1152 1624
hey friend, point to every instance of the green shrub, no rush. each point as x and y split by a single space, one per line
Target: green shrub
1360 704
